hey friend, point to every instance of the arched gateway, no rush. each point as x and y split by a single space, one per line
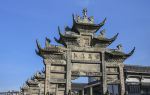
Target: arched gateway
83 53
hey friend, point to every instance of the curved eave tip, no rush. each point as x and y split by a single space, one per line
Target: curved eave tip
102 23
132 51
37 52
47 39
60 34
58 29
58 41
73 18
114 38
26 82
104 19
38 45
104 31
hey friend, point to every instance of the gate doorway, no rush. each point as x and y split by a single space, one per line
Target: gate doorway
84 86
113 89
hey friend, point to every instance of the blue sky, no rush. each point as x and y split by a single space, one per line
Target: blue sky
24 21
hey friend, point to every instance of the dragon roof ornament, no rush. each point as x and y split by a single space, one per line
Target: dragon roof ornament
85 19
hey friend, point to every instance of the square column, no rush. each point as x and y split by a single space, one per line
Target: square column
83 91
104 75
122 83
91 90
68 72
47 63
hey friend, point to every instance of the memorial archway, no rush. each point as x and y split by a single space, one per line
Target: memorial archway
82 54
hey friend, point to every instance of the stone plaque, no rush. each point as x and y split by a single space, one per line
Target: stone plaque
112 69
58 80
85 56
86 67
82 73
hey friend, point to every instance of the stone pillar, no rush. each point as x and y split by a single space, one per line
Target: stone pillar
39 93
30 91
56 92
91 90
68 72
141 85
83 91
47 76
122 83
104 75
40 88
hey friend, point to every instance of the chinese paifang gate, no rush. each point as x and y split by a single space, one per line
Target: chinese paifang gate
82 53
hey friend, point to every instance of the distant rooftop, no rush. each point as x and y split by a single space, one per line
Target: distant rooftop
137 68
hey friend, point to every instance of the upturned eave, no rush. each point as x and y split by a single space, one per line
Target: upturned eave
67 36
119 54
31 82
104 41
87 26
47 50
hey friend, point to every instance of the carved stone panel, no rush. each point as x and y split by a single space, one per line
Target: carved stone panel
84 41
112 70
81 69
86 67
61 92
82 73
57 76
58 62
58 68
53 80
112 78
53 86
86 56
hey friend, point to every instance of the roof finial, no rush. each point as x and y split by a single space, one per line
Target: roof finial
119 47
47 42
103 33
84 12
